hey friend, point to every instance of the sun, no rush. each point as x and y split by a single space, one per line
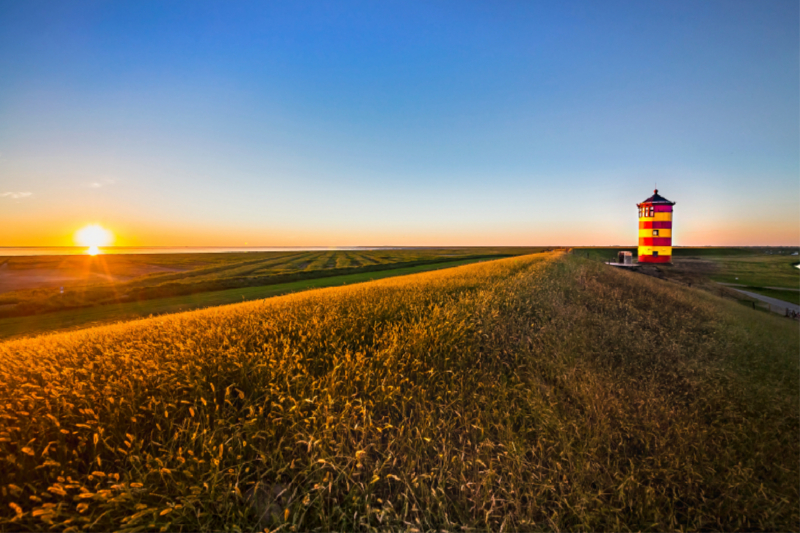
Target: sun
93 236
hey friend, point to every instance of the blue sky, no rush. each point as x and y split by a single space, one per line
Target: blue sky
398 123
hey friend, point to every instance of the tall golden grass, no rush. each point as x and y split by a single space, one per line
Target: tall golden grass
538 393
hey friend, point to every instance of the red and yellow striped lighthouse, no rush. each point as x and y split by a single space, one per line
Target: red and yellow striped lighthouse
655 230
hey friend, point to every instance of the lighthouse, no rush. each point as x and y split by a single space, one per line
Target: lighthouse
655 230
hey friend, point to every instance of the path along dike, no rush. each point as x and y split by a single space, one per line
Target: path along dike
775 305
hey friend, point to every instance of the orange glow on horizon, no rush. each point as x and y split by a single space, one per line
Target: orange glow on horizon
35 231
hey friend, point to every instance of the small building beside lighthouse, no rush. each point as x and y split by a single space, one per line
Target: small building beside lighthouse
655 230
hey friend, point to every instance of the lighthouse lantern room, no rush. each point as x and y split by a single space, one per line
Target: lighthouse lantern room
655 230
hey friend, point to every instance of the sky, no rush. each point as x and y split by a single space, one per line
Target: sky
398 123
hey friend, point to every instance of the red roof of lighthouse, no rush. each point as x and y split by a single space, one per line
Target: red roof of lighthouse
657 199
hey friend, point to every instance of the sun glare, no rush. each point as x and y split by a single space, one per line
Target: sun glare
93 236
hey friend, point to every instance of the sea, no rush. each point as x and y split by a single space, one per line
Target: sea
6 251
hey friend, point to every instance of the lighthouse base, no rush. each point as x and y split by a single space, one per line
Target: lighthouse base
655 259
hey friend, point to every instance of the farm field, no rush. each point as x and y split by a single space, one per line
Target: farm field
543 392
28 325
32 284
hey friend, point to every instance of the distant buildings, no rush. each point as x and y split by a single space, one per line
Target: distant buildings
655 230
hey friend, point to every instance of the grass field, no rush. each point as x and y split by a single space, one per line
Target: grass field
85 317
544 392
751 270
755 268
757 271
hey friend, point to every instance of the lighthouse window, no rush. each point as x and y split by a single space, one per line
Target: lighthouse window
655 233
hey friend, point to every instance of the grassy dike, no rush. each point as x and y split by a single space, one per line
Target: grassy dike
545 392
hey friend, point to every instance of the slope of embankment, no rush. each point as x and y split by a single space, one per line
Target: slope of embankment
545 392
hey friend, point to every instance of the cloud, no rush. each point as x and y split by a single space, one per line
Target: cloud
100 183
16 195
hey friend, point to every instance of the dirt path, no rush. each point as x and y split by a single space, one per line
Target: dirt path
775 305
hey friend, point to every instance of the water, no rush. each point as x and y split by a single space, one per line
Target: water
6 251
